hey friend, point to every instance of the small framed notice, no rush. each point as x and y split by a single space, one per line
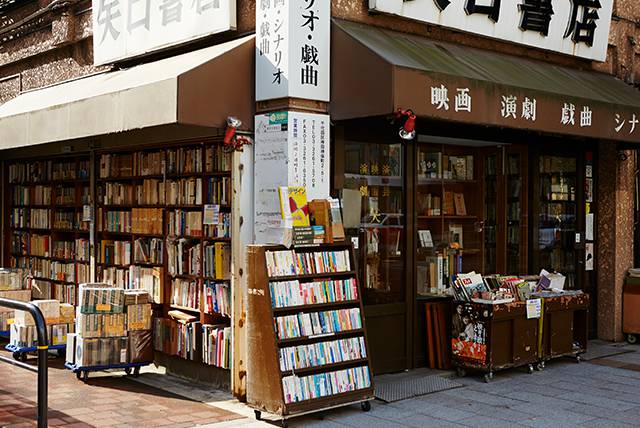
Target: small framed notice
534 308
211 214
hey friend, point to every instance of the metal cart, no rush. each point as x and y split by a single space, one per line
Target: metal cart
82 372
20 354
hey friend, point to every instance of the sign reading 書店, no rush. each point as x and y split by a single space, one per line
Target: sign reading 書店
129 28
572 27
292 49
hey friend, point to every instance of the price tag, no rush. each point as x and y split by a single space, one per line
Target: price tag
103 307
211 214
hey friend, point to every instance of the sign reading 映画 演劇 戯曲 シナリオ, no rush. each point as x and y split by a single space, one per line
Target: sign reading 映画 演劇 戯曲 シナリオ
573 27
129 28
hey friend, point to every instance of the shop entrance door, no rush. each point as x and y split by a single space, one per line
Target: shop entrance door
369 180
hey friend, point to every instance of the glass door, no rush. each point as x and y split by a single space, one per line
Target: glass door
371 188
556 217
516 211
491 230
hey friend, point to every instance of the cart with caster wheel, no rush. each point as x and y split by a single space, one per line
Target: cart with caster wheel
564 327
487 338
20 354
82 372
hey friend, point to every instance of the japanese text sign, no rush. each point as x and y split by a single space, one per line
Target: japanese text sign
572 27
128 28
292 49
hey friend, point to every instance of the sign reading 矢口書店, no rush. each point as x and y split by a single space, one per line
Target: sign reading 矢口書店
128 28
292 49
573 27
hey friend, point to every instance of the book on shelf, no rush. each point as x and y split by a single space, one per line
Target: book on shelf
65 195
115 221
297 206
322 353
117 277
184 160
185 293
63 171
223 260
39 218
431 164
217 298
63 249
184 257
295 293
115 252
425 238
302 388
218 190
216 345
220 227
184 191
148 250
39 245
177 336
216 159
317 323
460 207
448 207
147 221
147 278
185 223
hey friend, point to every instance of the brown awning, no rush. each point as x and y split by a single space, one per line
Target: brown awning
199 88
377 71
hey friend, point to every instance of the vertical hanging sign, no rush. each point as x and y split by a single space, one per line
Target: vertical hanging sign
292 49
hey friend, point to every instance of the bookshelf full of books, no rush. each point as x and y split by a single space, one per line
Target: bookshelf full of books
306 322
47 235
164 217
449 213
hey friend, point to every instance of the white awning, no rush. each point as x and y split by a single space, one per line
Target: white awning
197 88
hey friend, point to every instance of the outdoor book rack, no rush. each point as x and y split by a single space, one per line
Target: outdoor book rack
82 372
265 389
489 338
20 354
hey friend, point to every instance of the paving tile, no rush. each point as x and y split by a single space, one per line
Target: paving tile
484 422
420 421
606 423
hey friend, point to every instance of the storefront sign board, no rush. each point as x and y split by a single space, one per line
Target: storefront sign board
129 28
291 149
465 100
292 49
573 27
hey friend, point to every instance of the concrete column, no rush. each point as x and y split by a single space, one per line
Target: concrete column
615 218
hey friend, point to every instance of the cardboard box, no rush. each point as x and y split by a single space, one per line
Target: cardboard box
19 295
100 300
139 317
50 311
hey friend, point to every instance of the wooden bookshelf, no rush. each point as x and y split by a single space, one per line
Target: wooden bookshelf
166 180
265 344
45 199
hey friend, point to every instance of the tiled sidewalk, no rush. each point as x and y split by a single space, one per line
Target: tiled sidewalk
104 401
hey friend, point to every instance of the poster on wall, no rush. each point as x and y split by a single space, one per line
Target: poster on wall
468 335
291 149
588 256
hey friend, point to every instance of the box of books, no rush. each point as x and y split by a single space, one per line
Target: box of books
100 325
100 300
23 336
19 295
101 351
50 311
67 313
10 279
139 317
136 297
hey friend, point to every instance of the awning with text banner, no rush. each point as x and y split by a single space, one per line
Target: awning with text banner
200 88
378 71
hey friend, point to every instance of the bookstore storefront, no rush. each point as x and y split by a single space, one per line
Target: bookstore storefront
122 178
501 177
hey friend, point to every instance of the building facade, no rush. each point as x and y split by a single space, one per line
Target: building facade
46 42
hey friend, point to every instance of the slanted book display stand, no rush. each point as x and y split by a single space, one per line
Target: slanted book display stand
307 336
